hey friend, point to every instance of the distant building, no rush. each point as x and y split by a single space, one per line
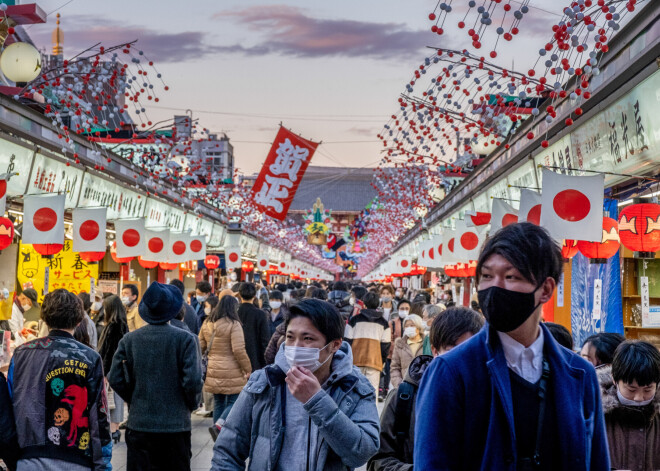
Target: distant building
210 160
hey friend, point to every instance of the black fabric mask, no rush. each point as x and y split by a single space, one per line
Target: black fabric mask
504 309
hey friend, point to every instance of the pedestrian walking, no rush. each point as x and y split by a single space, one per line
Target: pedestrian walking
157 371
319 409
203 290
429 313
221 337
255 326
511 398
407 348
129 296
115 328
632 406
397 422
56 385
278 310
598 349
369 336
189 316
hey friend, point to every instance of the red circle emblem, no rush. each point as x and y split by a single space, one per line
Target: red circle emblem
3 188
131 238
534 215
404 263
431 254
179 247
469 240
89 230
509 219
571 205
233 257
196 245
450 245
263 263
44 219
156 244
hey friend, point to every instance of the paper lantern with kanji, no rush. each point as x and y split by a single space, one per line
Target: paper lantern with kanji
92 257
247 265
599 252
48 250
212 262
146 263
6 232
569 249
168 266
639 229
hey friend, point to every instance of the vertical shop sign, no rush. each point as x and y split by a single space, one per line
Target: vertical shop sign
560 291
644 292
598 300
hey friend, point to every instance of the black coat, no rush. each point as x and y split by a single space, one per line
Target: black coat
109 341
8 442
191 319
256 332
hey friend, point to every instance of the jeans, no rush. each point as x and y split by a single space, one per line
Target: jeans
385 378
222 404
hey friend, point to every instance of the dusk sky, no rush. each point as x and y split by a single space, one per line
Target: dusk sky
331 71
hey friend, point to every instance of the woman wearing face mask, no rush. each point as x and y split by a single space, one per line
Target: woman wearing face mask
209 304
300 397
407 348
632 407
278 313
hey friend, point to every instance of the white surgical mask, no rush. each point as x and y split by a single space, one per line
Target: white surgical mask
403 313
410 332
26 307
351 301
630 402
276 304
207 310
399 294
125 300
96 306
306 357
200 299
386 299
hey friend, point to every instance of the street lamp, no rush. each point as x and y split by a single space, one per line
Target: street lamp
20 63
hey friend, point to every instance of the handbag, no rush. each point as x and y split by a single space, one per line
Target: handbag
205 356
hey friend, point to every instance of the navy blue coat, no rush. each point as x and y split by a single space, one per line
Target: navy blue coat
464 411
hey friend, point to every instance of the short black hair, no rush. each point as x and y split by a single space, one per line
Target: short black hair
317 293
179 284
339 286
560 334
280 287
182 312
417 307
529 248
62 309
323 315
448 327
133 288
636 361
227 307
276 294
404 301
371 300
86 300
247 291
422 297
212 301
359 292
204 286
605 344
236 287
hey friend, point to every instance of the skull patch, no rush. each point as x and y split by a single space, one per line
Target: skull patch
54 435
83 444
57 386
61 416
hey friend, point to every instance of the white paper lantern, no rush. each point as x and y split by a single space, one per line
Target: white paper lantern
20 62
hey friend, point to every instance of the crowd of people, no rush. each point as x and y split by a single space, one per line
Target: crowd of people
292 375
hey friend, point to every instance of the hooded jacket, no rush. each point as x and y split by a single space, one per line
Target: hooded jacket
369 335
633 433
56 384
466 406
388 457
343 420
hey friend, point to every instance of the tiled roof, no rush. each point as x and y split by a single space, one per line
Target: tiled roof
340 188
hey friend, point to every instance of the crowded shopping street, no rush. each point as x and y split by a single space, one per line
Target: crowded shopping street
300 236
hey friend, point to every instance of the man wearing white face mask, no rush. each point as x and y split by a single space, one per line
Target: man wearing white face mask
22 303
129 296
300 396
632 406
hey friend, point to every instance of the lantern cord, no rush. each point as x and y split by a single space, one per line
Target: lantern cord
638 177
524 187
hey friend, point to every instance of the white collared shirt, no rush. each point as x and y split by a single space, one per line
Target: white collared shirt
525 362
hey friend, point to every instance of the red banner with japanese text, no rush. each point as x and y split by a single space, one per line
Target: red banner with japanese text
280 176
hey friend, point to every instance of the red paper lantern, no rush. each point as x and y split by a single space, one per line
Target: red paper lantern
247 265
168 266
599 252
569 249
48 250
450 270
113 254
639 229
146 263
92 257
472 268
212 262
6 232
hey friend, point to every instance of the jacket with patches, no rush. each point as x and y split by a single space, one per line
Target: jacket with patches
633 433
369 335
56 384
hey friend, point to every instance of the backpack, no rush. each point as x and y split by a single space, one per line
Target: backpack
402 413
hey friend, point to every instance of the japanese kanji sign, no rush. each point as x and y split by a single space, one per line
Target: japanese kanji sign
281 174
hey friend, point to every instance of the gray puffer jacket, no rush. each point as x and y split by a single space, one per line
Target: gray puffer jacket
343 415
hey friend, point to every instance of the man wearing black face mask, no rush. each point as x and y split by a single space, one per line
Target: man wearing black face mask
511 398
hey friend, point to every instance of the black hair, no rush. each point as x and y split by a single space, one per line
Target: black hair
212 301
317 293
179 284
86 300
113 310
133 288
371 300
247 291
560 334
323 315
280 287
404 301
62 309
182 312
82 335
276 294
236 287
227 307
422 297
448 327
204 286
529 248
417 307
636 361
339 286
359 292
605 344
290 287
